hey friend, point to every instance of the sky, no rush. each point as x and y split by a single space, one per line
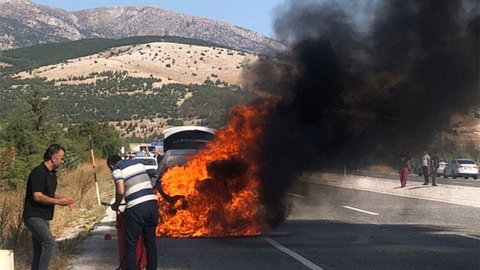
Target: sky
256 15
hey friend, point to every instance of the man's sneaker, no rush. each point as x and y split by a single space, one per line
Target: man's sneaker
425 184
434 185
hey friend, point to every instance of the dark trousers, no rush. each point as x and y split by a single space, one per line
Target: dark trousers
141 219
434 175
403 173
425 173
43 242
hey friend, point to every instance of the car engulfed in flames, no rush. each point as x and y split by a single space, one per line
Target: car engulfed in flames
216 179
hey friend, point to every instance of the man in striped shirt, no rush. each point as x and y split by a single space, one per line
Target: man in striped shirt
141 212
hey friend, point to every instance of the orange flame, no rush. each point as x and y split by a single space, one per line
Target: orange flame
219 183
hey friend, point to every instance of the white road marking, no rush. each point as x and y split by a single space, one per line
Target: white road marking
360 210
296 195
296 256
469 236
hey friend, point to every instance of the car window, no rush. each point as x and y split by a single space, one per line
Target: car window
146 161
465 161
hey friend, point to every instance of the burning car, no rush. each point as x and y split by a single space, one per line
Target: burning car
217 190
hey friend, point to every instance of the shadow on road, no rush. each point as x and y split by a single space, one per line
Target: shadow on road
425 186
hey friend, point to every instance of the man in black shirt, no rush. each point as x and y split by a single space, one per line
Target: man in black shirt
40 200
435 163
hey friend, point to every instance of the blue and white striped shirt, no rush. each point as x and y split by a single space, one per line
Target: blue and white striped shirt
138 187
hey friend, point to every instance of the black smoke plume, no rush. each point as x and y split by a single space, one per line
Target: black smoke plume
353 92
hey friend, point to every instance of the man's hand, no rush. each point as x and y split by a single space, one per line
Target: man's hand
64 201
174 199
115 206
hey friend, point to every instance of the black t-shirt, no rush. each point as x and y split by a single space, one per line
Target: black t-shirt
435 162
40 180
402 162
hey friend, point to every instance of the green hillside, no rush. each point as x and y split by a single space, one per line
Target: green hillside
113 95
46 54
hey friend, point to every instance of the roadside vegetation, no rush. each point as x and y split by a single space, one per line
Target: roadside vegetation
24 135
117 96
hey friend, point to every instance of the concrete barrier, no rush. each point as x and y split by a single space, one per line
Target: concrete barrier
6 259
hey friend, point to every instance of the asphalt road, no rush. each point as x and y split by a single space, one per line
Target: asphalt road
337 228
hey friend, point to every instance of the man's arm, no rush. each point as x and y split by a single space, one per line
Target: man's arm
119 192
166 197
44 199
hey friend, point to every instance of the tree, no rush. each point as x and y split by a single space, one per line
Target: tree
30 127
32 124
106 139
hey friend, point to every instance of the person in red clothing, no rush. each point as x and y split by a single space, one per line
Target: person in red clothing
403 171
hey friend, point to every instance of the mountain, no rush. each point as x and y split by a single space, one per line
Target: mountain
24 23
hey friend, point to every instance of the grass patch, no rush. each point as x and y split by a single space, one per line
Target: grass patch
381 168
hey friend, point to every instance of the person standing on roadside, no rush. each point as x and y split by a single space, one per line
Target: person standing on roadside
40 200
425 166
435 163
403 171
141 212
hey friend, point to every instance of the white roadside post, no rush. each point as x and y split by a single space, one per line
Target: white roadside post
6 260
94 170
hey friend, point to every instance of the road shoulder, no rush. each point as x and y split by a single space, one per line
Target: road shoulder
96 252
460 195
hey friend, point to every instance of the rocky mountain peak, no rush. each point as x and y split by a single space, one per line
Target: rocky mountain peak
24 23
16 2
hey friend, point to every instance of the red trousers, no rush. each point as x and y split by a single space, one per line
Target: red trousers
403 172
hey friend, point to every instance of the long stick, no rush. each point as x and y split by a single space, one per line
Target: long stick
94 169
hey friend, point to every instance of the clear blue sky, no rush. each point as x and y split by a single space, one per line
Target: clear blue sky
256 15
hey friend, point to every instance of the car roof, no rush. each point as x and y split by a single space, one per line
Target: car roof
187 137
170 131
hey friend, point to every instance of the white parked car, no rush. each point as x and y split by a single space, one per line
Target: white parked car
461 167
150 163
441 167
